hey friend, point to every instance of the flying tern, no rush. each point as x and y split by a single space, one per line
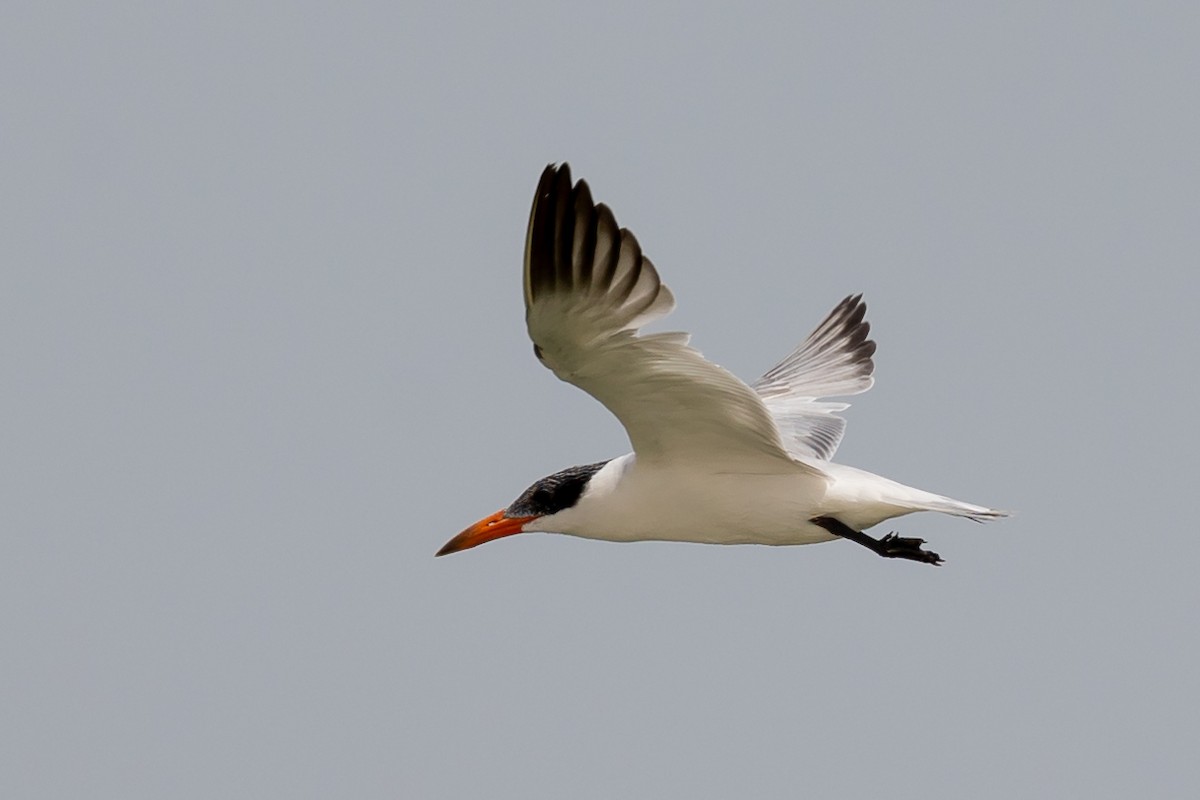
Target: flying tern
714 460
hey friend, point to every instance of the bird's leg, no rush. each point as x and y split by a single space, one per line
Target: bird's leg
890 546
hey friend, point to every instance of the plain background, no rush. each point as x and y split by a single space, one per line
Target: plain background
263 353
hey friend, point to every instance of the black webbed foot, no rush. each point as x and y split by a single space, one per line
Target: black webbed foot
893 546
890 546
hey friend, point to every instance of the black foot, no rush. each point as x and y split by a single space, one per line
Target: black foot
893 546
890 546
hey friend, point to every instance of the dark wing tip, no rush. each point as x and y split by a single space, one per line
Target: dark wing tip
843 337
849 320
857 336
545 221
574 243
550 176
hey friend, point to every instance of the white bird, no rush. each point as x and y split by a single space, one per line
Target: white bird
713 460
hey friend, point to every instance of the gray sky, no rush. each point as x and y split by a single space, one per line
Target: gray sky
263 353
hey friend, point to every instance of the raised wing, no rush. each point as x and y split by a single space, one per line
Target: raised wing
588 289
834 361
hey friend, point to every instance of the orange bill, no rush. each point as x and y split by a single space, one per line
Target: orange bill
494 527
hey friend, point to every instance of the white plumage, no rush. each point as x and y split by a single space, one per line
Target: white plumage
714 460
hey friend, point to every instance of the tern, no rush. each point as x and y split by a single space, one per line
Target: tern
714 460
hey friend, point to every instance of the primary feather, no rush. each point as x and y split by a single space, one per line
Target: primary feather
588 289
834 361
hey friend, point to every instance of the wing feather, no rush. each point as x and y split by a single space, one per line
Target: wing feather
588 290
834 361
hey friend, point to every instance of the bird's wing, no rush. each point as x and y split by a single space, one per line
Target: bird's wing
588 289
834 361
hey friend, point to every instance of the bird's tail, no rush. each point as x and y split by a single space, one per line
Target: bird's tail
957 508
861 499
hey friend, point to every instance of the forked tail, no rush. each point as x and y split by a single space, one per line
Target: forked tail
946 505
861 499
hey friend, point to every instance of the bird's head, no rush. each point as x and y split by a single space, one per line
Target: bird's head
534 510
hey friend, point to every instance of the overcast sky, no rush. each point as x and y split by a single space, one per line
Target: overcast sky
263 353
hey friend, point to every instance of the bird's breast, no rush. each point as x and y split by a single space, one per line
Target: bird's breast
631 502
